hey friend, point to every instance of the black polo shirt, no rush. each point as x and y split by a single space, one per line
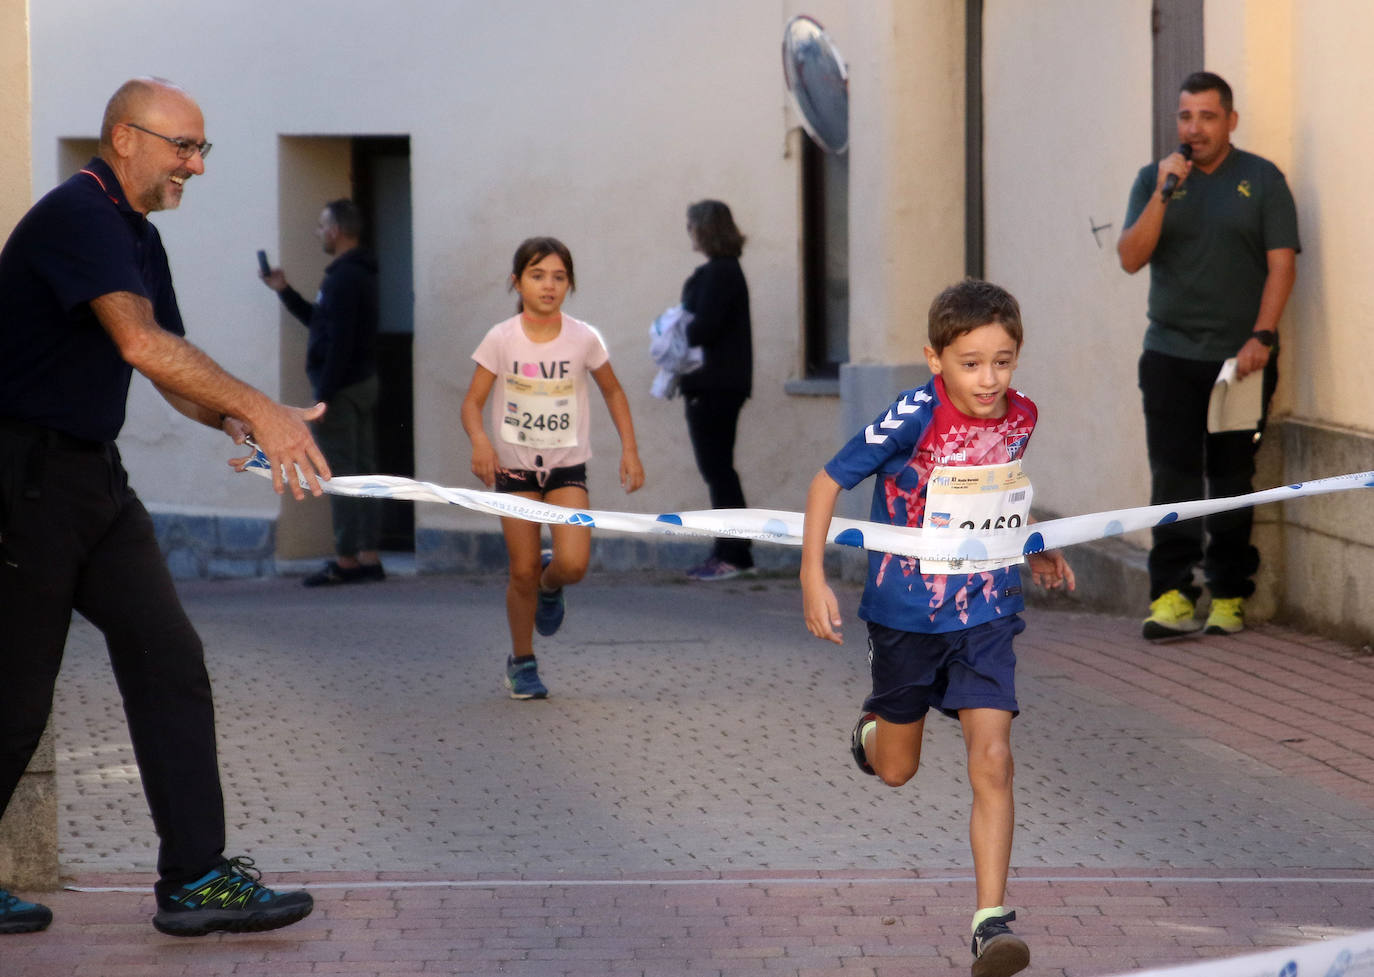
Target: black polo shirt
58 366
1208 270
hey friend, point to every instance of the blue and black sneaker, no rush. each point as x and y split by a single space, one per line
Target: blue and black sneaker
997 951
229 899
522 678
548 613
17 916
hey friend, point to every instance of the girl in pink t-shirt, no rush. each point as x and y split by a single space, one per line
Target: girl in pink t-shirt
539 361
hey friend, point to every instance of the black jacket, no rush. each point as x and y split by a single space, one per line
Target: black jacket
718 298
342 349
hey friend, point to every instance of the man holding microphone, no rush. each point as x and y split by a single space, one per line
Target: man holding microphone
1219 230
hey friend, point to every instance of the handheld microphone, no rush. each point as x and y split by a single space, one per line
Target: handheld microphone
1171 181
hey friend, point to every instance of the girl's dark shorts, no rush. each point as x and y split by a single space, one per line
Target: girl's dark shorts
530 480
970 669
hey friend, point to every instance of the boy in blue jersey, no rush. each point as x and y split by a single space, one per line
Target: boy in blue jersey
940 635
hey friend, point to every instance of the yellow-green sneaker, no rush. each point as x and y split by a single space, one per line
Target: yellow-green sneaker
1227 615
1171 615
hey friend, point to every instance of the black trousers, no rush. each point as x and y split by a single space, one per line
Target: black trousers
76 537
712 416
1186 462
347 434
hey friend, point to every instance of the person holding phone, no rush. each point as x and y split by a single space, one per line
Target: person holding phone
341 362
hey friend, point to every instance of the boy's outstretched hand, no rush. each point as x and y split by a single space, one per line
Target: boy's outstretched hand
822 612
1050 570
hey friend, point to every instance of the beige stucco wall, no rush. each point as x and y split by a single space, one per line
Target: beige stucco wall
1329 553
1067 125
597 124
906 172
1330 343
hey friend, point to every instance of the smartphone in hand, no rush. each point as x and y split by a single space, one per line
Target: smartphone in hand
262 263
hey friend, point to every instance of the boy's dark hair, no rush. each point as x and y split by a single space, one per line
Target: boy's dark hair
346 216
713 228
1204 81
966 305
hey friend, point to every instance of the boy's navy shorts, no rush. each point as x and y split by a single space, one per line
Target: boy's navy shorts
970 669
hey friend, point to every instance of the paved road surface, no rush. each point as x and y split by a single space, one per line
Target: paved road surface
684 804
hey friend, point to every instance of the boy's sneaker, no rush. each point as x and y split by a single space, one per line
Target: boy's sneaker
1227 615
17 916
229 899
997 951
856 743
522 678
1171 615
548 612
716 569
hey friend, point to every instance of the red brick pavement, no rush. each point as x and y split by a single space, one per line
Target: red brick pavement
1300 703
747 925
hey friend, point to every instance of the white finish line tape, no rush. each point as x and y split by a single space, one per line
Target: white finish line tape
780 526
1349 956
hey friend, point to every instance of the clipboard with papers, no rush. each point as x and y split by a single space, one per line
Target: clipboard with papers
1236 404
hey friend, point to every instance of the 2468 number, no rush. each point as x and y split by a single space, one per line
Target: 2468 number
544 422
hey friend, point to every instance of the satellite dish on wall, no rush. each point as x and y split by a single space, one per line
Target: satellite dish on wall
817 79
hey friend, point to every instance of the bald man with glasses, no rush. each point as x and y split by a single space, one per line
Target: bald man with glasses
86 298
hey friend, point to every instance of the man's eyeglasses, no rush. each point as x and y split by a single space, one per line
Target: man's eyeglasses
185 148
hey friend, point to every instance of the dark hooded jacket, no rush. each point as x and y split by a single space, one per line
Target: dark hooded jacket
342 349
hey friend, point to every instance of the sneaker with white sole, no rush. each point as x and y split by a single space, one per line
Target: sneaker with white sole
1171 615
997 951
522 678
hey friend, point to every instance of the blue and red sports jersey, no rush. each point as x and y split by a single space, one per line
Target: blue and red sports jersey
921 430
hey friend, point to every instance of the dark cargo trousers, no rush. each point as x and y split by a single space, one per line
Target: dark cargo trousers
1186 462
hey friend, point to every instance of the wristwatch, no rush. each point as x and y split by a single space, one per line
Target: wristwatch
1266 336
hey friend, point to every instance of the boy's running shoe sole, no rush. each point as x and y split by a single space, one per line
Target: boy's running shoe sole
997 951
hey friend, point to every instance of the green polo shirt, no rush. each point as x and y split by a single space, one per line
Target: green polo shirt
1208 270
